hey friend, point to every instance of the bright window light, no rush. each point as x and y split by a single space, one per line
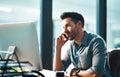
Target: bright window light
5 9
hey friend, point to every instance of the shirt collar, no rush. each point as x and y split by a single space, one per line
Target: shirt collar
85 39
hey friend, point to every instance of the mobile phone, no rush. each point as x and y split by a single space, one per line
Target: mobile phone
65 36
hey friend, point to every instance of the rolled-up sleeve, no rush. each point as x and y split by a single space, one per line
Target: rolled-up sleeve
99 56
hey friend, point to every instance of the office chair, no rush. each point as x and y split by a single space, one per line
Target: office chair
114 60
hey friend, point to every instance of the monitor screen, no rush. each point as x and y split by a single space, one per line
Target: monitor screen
24 36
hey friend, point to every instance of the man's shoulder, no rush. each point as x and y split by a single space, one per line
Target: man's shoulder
94 36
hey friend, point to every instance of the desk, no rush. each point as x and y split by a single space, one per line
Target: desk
50 73
46 73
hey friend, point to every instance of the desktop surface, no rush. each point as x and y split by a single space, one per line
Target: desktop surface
50 73
46 73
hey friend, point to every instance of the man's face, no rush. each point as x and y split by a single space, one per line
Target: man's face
70 28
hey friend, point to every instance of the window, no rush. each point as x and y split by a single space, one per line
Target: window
22 10
113 23
85 7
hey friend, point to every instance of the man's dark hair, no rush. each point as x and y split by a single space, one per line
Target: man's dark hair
74 16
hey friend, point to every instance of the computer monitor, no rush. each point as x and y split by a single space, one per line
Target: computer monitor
24 36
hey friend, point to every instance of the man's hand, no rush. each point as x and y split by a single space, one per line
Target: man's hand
73 72
61 40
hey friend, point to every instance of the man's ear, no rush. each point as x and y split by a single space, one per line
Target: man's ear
80 23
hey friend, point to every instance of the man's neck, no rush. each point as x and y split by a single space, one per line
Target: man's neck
79 38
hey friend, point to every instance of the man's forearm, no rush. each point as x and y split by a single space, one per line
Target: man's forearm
57 63
87 73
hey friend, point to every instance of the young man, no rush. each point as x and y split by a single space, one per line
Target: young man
86 51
